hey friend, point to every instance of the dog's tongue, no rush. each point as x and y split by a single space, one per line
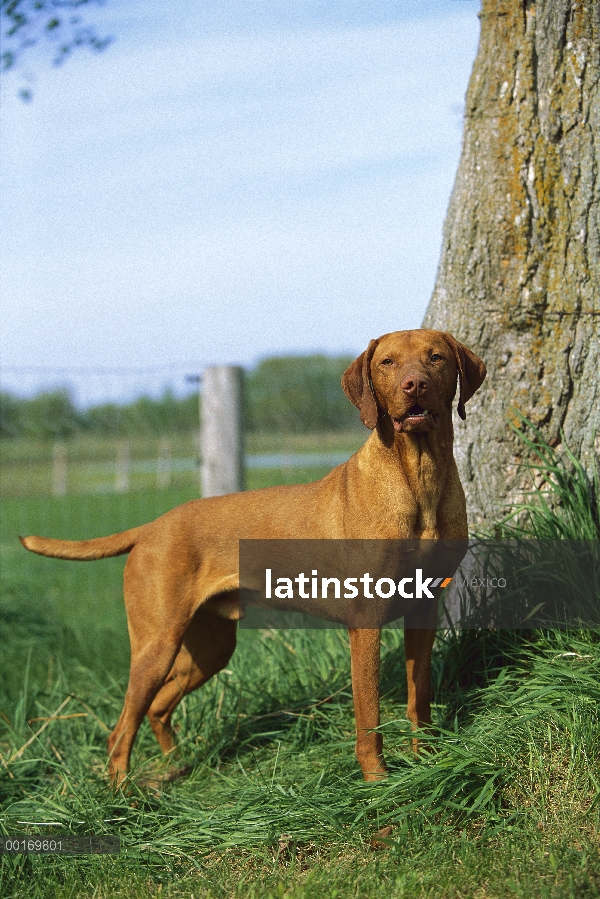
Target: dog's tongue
397 424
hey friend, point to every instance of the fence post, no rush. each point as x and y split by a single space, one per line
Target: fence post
59 485
122 481
221 431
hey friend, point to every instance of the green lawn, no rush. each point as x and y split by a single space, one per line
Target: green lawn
506 805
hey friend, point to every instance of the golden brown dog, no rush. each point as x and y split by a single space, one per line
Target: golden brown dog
181 578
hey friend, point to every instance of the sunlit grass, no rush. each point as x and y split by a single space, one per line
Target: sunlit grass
506 803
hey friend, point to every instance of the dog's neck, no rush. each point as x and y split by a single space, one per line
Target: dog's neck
413 446
424 458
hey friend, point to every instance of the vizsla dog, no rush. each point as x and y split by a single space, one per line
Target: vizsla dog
181 579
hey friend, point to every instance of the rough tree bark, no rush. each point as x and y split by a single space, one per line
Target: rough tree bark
520 266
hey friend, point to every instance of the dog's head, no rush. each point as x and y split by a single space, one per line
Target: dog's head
412 376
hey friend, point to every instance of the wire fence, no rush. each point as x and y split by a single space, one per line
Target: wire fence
69 432
98 385
91 465
83 431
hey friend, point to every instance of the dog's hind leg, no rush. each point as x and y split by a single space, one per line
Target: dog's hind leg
208 644
150 666
157 620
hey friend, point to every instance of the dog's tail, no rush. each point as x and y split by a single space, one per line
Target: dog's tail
84 550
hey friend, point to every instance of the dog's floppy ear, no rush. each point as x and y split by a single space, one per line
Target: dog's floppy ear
471 371
356 384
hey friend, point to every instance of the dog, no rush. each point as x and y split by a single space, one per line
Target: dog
181 580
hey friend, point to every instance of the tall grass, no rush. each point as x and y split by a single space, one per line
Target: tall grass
506 802
563 501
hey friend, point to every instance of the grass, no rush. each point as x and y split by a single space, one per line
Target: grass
563 501
506 805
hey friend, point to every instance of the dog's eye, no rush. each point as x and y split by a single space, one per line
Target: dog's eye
387 362
435 358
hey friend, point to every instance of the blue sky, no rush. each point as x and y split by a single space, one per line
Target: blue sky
230 180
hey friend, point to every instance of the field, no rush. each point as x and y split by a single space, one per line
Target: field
507 804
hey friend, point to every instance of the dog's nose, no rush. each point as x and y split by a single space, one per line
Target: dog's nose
414 386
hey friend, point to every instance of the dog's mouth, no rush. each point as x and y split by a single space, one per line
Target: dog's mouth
417 418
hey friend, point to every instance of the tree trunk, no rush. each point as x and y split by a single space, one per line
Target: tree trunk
520 268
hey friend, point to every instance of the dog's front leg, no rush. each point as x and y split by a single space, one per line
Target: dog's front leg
418 645
364 659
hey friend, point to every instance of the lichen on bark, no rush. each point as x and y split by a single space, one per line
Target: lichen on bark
520 265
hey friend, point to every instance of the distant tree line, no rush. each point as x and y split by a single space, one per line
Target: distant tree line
54 415
297 394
